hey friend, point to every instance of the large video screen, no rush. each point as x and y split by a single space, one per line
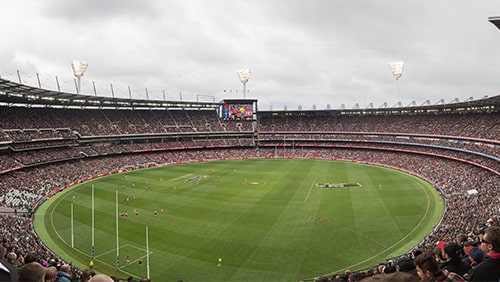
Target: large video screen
237 111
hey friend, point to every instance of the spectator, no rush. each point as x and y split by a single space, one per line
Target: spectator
353 277
405 264
31 272
101 278
64 273
11 258
476 256
468 246
86 275
392 277
7 272
489 269
453 262
50 274
428 270
32 257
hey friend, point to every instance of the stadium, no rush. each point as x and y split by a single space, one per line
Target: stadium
58 147
98 188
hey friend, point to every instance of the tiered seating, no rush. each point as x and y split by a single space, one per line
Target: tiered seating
49 148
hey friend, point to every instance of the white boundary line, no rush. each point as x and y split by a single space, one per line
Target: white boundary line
402 239
310 189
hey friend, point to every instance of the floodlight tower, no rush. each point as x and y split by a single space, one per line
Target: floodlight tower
79 68
397 71
244 75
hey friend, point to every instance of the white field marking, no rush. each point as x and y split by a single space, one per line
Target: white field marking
52 222
138 248
124 246
310 189
182 177
87 254
105 253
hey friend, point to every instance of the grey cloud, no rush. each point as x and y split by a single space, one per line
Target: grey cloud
301 52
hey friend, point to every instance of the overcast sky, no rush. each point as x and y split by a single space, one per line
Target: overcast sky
301 52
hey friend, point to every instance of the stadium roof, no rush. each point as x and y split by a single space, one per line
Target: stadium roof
16 94
495 21
12 93
484 105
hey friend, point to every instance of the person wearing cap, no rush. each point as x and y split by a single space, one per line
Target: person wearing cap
468 246
489 269
476 256
453 262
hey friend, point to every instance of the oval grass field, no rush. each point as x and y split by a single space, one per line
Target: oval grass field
268 219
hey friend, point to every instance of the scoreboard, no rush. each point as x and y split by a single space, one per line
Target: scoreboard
239 109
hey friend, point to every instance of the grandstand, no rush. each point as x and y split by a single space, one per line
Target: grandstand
47 137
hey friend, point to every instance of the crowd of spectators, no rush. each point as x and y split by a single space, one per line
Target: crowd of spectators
25 259
20 124
482 126
452 172
55 132
457 142
39 134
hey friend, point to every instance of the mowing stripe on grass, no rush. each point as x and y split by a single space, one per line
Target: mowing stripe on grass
260 215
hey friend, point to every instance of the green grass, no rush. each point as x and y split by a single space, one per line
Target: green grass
265 218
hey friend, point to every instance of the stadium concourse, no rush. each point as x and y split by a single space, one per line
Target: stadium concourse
48 141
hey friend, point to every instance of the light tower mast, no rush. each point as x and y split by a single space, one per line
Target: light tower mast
397 71
79 68
244 75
